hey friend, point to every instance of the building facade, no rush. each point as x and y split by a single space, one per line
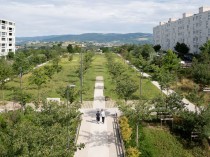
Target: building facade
7 37
191 29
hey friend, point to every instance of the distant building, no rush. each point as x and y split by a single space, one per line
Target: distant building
7 37
191 29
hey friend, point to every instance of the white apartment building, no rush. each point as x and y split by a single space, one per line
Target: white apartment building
191 29
7 37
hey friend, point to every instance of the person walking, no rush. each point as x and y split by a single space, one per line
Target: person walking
103 115
98 117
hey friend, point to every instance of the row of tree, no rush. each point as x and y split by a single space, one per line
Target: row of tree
125 86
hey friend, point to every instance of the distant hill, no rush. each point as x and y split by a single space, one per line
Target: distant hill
137 38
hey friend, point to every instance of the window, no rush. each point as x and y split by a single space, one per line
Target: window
10 39
3 27
10 23
10 44
10 34
3 39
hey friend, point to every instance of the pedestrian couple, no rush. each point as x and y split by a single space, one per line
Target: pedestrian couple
100 114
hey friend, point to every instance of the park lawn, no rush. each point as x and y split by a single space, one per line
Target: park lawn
158 142
51 88
149 91
68 76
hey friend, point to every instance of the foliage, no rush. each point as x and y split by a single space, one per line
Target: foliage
170 61
125 129
21 63
133 152
56 65
156 142
49 71
164 77
70 48
5 72
174 104
139 111
70 58
104 49
182 48
157 48
11 55
125 87
22 97
200 70
38 78
38 133
85 62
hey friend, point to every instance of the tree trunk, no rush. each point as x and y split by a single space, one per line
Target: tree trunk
137 134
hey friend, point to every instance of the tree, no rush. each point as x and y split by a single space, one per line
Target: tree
140 111
200 72
157 48
38 78
56 65
174 104
70 48
205 47
147 52
164 77
77 49
171 62
182 48
125 87
39 133
49 71
201 66
11 55
22 97
22 63
5 74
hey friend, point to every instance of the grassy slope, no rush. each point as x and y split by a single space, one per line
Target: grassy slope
160 143
149 91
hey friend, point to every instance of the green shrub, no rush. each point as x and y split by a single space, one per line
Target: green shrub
125 129
133 152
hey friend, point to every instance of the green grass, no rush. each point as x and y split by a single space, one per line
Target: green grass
68 76
160 143
59 80
149 91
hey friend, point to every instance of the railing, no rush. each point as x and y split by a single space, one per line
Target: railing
77 131
120 143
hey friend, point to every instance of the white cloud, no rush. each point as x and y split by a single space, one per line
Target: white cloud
44 17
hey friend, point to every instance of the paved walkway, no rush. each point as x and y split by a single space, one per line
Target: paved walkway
99 139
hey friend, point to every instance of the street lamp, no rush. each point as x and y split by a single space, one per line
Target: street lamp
81 75
21 82
140 82
67 111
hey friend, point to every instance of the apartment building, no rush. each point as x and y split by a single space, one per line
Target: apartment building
191 29
7 37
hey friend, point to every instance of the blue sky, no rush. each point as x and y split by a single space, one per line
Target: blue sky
52 17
